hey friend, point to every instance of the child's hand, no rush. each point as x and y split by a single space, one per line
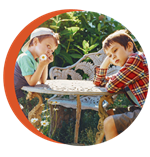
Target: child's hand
46 61
51 58
105 63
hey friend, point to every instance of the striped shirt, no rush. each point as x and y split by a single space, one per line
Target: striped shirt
133 74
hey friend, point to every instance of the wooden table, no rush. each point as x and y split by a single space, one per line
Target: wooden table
71 87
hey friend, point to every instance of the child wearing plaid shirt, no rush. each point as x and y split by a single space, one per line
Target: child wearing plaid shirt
121 51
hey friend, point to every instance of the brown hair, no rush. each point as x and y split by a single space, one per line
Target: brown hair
122 37
42 37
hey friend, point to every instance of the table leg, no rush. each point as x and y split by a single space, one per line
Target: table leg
78 115
37 110
102 114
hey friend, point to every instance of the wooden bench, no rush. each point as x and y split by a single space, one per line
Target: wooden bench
83 67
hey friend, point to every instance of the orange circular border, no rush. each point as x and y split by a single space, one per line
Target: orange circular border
9 66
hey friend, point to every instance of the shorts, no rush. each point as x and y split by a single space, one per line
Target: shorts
124 120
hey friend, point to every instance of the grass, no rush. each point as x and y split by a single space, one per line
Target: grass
65 134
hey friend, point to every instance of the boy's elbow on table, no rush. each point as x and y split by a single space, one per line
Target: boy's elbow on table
30 81
42 81
31 84
34 83
98 83
110 90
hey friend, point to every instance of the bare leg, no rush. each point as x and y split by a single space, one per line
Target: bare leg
110 128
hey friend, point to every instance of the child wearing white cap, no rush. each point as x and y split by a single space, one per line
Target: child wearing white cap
32 64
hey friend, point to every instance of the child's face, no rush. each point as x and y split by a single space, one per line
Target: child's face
117 54
47 46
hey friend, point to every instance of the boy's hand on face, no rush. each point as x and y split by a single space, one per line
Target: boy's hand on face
51 58
107 59
43 63
105 63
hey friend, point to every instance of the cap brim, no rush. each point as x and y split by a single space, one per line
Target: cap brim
25 46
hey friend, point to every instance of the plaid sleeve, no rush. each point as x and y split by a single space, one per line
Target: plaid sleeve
129 73
100 76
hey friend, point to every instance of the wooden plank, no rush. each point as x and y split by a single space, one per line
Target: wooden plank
78 116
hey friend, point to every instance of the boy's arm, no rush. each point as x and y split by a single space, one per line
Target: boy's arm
39 74
131 71
105 63
33 79
45 71
100 78
44 75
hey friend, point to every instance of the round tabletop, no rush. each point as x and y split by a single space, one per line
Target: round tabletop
68 87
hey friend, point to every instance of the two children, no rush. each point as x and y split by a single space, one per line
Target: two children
29 68
121 51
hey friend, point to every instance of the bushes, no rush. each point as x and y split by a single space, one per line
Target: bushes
87 130
81 32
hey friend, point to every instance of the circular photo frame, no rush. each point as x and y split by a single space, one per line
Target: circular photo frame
92 23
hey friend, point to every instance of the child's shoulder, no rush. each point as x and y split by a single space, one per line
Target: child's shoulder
22 55
27 60
138 56
24 58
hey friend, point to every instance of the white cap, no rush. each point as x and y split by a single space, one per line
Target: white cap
37 32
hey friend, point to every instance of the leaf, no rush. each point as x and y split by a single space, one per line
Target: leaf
92 47
91 40
70 40
99 27
54 27
67 20
95 15
94 20
53 19
57 51
69 31
75 55
73 30
85 44
63 45
101 36
96 38
67 58
86 52
76 51
79 47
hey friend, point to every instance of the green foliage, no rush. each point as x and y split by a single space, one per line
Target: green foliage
86 48
66 133
30 104
81 32
121 101
87 130
45 115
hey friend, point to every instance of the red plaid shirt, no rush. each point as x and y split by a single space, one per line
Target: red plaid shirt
133 74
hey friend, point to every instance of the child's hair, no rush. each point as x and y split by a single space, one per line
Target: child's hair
122 37
42 37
